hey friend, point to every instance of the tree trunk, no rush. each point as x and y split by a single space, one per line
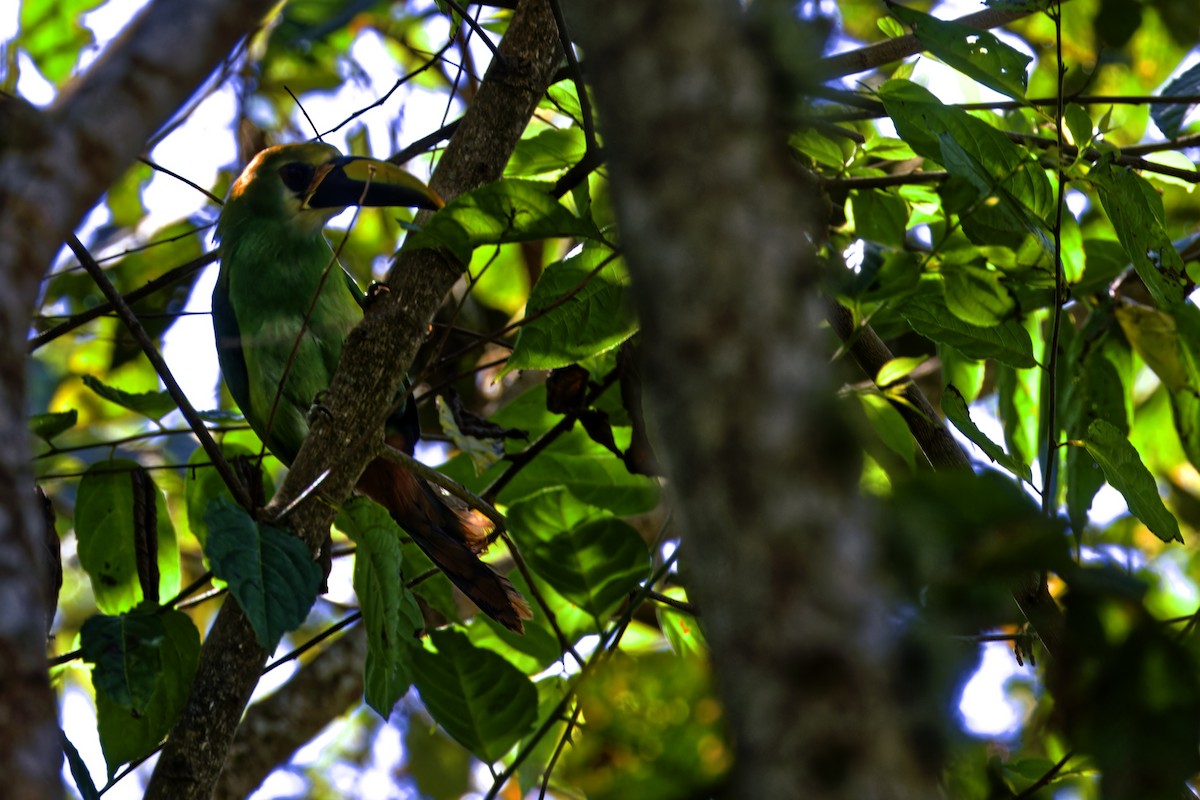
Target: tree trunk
715 221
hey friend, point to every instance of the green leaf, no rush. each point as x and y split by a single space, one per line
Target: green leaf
79 771
601 480
682 629
126 736
890 425
1125 472
390 612
176 243
504 211
270 573
202 483
124 197
47 426
546 151
125 650
981 158
897 369
977 296
1136 213
1079 124
53 35
116 500
579 307
477 697
1153 335
1097 392
879 216
154 405
1169 117
1007 342
1117 20
973 52
594 564
955 409
966 373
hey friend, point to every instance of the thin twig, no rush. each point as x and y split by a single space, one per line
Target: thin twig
164 373
166 279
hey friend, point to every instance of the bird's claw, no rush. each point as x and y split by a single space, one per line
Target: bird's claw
318 407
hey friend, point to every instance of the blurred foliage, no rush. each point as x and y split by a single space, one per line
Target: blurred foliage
949 217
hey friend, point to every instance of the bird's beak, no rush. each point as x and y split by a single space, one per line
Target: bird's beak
357 181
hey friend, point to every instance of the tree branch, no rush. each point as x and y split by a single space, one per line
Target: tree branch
54 164
713 216
374 360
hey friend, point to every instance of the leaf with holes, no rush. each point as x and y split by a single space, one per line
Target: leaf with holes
973 52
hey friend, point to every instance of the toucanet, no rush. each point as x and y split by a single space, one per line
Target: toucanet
280 327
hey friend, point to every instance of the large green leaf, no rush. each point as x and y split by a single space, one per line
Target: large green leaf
977 295
126 652
973 52
890 425
578 308
126 735
117 506
1007 192
594 564
475 695
1136 213
1174 356
1007 342
270 573
390 614
879 216
1124 470
547 150
504 211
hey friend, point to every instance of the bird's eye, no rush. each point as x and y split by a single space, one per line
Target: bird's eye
296 176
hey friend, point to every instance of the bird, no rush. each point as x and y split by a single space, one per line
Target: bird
271 299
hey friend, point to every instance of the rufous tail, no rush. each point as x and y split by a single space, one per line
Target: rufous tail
452 539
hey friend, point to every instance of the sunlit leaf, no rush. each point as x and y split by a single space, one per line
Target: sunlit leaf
1007 342
117 498
976 53
505 211
1124 470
